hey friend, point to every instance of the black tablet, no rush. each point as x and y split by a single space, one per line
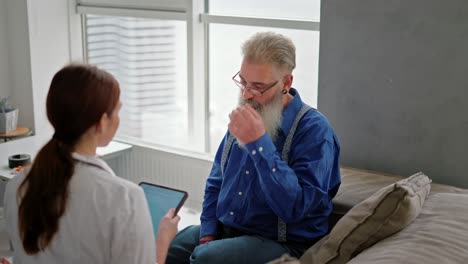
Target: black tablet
160 200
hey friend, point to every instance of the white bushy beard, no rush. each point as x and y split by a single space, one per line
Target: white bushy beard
271 114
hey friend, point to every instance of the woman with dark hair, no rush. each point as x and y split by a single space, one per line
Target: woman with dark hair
69 207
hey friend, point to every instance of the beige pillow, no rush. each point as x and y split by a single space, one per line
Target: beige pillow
438 235
386 212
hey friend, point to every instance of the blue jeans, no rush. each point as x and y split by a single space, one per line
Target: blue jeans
232 247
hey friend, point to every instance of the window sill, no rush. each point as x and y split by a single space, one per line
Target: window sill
172 150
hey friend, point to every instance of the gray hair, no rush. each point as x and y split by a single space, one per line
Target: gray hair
270 48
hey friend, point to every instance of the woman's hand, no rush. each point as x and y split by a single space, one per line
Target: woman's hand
166 232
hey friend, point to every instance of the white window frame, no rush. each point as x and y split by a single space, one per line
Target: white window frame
194 12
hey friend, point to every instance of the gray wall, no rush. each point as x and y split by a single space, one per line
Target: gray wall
4 72
393 81
36 39
15 59
20 60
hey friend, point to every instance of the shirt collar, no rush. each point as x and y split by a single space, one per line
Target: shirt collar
291 110
93 161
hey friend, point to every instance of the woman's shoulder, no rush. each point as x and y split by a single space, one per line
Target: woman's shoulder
103 178
95 178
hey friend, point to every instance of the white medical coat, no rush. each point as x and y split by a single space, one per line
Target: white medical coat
106 220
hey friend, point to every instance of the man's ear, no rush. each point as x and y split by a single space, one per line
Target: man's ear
287 81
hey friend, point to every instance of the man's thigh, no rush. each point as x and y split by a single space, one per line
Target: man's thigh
243 249
183 245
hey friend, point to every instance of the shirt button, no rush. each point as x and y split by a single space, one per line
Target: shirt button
240 193
231 213
260 149
247 172
273 170
254 152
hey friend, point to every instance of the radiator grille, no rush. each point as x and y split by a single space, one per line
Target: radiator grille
159 167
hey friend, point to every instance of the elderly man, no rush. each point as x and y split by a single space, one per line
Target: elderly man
276 171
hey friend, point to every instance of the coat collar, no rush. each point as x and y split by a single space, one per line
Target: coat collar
92 161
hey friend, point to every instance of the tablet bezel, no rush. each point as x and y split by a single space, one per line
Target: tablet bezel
182 201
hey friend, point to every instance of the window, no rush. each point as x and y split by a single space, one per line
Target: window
148 58
293 9
175 74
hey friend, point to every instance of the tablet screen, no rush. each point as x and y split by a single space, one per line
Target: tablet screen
160 200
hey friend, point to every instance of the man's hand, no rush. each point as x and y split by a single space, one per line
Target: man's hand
206 239
246 124
4 261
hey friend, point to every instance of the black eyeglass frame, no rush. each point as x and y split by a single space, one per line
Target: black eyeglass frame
251 90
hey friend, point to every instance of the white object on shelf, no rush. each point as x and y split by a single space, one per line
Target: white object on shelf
8 121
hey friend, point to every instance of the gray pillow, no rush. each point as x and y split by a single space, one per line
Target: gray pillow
386 212
438 235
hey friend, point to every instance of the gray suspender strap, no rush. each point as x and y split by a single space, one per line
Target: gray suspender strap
288 141
226 149
282 229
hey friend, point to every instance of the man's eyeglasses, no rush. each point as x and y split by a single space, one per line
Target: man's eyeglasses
254 91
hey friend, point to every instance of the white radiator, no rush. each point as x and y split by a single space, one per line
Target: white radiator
164 168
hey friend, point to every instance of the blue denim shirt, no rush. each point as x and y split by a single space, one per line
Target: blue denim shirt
257 186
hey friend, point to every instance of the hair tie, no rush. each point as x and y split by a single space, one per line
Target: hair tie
63 139
56 136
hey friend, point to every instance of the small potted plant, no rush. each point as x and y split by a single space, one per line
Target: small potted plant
8 116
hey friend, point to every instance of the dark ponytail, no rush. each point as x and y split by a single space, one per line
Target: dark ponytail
41 205
78 97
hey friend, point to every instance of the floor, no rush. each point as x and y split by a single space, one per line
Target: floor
188 216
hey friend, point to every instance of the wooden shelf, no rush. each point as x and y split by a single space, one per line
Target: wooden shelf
18 132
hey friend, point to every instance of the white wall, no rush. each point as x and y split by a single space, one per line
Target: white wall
50 51
5 89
